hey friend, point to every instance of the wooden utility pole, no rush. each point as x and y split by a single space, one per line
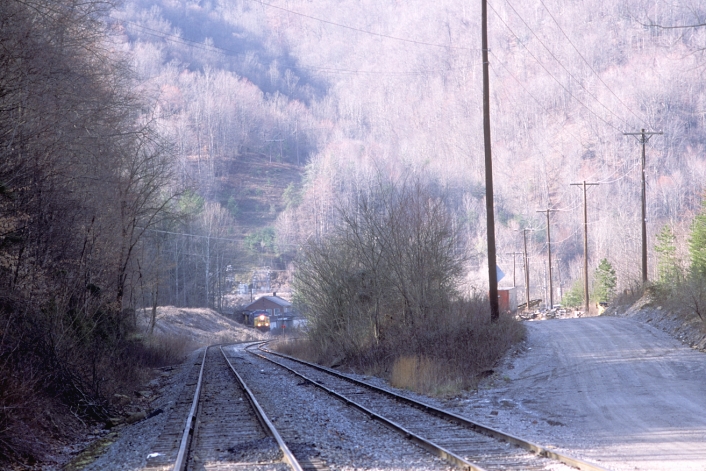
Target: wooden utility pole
527 284
513 266
585 244
490 211
644 137
561 288
549 251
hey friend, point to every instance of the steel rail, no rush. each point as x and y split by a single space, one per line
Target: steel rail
262 417
484 429
424 443
189 426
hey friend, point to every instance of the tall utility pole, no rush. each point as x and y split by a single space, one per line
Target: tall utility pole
585 244
527 285
644 137
549 251
513 266
489 209
558 271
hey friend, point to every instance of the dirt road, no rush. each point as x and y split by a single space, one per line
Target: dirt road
625 394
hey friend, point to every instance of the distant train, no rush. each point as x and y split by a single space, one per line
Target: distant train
258 319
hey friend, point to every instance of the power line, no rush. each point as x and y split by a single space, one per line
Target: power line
620 177
519 40
587 63
519 82
232 53
371 33
562 65
227 239
240 240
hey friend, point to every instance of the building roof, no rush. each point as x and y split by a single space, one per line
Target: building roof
278 300
274 299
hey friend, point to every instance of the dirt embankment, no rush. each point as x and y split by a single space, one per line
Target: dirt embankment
681 324
201 326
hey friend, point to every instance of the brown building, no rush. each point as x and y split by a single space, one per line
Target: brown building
274 305
507 299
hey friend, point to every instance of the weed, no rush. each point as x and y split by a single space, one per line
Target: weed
439 359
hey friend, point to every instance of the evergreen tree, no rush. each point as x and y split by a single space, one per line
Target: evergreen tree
574 296
697 243
605 281
668 273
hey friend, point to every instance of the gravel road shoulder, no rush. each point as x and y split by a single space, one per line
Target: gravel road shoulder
614 391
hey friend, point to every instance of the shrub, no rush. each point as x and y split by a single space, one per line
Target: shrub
574 297
385 285
605 282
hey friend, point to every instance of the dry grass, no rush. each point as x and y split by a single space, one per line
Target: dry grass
439 358
628 296
425 375
163 350
297 347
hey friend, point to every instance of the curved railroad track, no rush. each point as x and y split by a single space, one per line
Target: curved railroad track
218 424
464 443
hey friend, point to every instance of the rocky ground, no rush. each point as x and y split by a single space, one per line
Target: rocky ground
129 432
683 326
624 391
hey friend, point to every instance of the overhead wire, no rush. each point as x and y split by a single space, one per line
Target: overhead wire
239 240
214 48
540 104
359 30
519 82
588 64
580 82
624 175
606 122
232 53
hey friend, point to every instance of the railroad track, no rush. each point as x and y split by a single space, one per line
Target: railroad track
464 443
217 424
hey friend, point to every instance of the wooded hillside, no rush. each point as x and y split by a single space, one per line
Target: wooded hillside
162 152
345 90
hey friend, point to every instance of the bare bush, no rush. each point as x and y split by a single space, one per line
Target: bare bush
162 350
384 287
